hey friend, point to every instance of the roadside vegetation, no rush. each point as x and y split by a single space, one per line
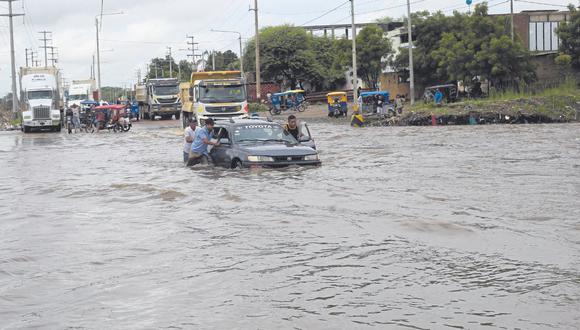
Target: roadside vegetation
558 102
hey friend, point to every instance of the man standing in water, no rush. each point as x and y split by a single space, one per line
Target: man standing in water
202 139
189 135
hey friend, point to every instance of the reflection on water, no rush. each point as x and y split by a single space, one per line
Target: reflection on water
424 228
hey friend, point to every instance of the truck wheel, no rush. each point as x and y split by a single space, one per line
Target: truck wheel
178 115
26 129
58 128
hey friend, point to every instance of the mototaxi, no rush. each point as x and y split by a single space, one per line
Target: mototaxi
337 104
289 100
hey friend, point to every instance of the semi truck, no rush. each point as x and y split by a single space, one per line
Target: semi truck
41 97
216 95
81 90
159 97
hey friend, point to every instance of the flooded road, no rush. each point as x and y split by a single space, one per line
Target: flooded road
402 227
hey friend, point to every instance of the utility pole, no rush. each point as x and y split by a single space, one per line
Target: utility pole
98 61
258 78
26 51
10 16
213 60
53 55
193 55
354 65
411 69
33 55
512 18
170 63
45 40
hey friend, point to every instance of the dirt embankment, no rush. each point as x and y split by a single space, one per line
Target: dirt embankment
525 110
519 111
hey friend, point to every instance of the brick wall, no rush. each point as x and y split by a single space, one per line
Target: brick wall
266 87
390 82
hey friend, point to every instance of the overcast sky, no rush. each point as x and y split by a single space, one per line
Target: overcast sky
147 27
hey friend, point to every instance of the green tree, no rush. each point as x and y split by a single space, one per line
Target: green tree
286 56
569 33
159 68
186 69
372 47
227 60
464 47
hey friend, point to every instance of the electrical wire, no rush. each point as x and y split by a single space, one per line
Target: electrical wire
326 13
542 3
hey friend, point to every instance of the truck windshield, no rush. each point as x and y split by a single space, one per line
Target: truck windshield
263 133
166 90
78 97
222 93
38 95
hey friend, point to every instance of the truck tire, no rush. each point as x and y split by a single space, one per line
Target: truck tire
26 129
177 116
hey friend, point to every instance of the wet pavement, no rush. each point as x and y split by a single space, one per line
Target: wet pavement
402 227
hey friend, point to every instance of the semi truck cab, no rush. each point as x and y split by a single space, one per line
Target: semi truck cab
42 103
163 98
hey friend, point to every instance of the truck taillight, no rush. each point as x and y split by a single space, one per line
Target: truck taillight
246 108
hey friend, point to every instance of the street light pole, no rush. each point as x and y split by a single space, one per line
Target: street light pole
241 50
258 78
99 53
354 65
411 69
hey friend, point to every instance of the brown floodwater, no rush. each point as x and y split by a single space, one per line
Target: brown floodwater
402 227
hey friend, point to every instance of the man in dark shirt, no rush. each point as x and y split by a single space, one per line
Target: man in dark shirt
292 127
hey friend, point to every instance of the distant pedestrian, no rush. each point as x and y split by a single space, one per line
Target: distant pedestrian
399 104
438 98
76 116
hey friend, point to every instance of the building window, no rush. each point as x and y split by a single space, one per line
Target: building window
543 36
555 39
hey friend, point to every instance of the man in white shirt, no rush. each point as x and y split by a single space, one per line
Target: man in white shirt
189 135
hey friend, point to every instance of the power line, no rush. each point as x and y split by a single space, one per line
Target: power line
326 13
542 3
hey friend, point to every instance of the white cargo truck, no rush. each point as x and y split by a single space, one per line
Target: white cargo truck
40 93
81 90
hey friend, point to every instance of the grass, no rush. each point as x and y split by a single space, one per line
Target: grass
550 101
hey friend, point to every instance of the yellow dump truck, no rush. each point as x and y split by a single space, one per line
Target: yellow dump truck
187 102
217 95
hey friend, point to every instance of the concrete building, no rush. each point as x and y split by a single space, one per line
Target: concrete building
344 31
537 31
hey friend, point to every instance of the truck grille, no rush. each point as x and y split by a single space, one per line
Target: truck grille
167 101
225 109
41 112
